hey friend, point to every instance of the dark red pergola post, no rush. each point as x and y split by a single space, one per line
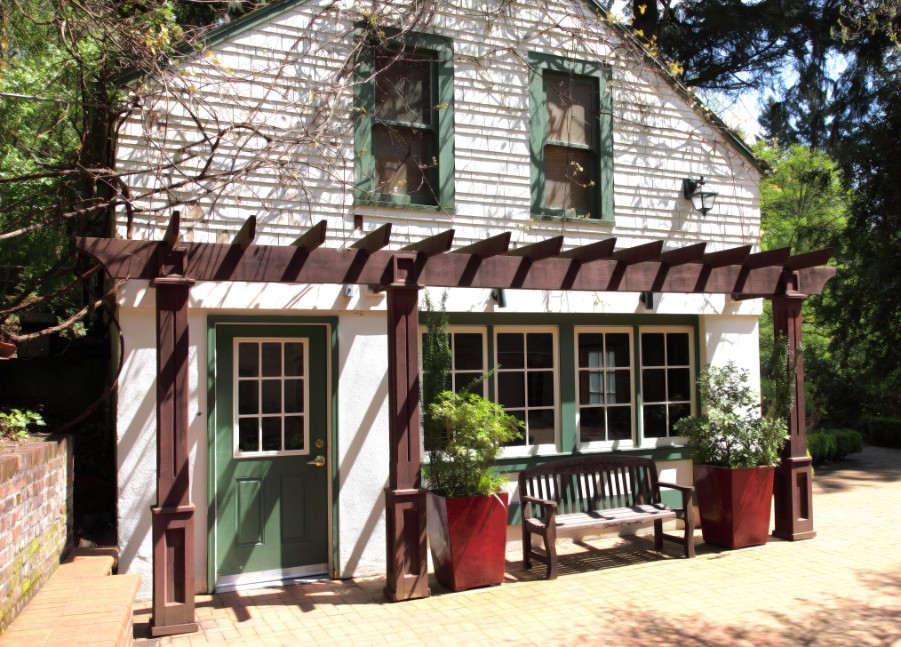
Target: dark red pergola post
405 505
793 497
173 514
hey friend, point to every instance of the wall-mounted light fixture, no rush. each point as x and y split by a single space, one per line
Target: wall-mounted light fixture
693 189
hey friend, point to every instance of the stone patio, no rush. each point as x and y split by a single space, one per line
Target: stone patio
841 588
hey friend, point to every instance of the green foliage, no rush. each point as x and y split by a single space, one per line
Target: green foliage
804 205
436 363
883 431
821 447
59 67
731 432
464 432
473 433
14 423
833 444
803 201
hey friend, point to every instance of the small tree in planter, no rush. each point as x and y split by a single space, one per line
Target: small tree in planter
735 450
464 434
467 509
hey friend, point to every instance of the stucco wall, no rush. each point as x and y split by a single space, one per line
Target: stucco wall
728 331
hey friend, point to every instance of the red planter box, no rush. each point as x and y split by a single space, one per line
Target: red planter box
468 539
734 504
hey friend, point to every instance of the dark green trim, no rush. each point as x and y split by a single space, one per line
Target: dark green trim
552 319
567 440
602 199
256 320
597 7
566 340
442 118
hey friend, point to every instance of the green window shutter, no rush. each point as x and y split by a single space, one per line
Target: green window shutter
431 136
572 162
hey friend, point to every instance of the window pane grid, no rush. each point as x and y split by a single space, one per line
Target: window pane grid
570 143
666 381
467 360
526 383
404 136
604 373
270 397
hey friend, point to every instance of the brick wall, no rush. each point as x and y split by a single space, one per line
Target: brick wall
35 518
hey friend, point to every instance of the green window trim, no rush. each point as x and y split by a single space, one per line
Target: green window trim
567 327
442 100
602 198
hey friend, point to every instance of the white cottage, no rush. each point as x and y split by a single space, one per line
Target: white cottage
297 184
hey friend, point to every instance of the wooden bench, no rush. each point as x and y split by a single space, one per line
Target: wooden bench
574 495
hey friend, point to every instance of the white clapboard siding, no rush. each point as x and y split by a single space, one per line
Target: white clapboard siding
276 75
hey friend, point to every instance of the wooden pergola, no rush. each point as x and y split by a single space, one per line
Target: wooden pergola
173 266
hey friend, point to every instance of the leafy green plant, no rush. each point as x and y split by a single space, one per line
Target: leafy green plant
473 431
731 432
883 431
833 444
15 422
436 363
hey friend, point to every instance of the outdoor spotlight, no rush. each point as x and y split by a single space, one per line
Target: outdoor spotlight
693 189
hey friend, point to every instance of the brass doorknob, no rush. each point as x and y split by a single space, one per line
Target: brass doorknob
319 461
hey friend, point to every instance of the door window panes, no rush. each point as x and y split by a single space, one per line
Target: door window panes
270 397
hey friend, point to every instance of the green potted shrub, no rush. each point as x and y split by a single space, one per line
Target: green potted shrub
467 506
734 450
464 434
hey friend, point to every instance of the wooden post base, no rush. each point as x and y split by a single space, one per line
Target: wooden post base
408 568
793 500
173 571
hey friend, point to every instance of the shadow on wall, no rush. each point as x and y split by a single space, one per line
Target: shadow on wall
375 519
137 474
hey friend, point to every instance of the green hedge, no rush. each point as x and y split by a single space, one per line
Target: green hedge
882 430
833 444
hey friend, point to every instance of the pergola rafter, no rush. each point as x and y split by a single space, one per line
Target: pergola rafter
488 263
173 266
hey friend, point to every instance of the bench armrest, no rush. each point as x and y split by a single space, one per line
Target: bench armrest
548 507
686 490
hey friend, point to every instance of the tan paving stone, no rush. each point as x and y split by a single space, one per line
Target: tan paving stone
842 588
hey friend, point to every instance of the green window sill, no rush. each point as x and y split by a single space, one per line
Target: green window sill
561 217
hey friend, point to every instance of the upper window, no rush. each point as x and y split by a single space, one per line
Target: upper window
404 131
571 138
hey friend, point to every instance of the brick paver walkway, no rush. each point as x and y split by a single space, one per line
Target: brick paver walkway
841 588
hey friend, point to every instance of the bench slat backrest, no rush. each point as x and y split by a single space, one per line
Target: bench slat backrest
587 483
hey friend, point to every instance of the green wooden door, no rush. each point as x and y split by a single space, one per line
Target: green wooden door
271 452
